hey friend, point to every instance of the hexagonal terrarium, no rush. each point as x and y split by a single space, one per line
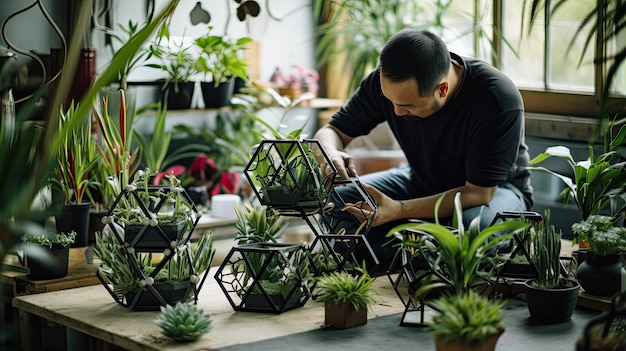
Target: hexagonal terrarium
264 277
288 174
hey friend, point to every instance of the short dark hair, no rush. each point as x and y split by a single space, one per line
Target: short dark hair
415 53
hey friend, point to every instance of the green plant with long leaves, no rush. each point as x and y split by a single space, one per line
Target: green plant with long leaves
118 157
76 158
124 34
341 287
598 182
545 253
455 254
30 145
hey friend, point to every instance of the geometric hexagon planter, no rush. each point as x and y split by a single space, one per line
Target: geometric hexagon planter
264 277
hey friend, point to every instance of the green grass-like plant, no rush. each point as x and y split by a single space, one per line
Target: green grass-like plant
545 251
47 240
467 317
340 287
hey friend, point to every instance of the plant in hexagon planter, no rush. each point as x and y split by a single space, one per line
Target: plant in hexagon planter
287 174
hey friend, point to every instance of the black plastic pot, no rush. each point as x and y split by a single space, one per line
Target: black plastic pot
48 264
151 239
74 218
217 96
178 96
550 306
148 300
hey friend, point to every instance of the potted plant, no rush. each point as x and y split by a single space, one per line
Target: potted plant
47 255
260 274
135 281
220 61
76 159
346 298
459 260
551 298
178 63
154 217
602 272
467 322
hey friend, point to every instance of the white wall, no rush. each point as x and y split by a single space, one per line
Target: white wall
282 42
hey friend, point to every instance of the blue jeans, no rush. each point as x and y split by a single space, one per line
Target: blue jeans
396 183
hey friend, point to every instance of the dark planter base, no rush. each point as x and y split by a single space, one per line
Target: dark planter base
74 218
343 316
487 344
258 302
171 293
553 305
151 240
216 97
47 263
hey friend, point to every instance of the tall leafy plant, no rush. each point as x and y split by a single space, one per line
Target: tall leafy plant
455 253
76 158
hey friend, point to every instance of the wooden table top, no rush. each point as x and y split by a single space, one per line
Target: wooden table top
93 311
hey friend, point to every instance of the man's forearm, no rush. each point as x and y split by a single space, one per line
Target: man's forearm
424 207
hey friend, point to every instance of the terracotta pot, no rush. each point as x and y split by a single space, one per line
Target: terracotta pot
344 316
487 344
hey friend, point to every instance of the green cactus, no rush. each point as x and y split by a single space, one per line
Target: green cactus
183 321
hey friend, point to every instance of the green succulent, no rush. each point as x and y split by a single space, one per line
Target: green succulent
183 321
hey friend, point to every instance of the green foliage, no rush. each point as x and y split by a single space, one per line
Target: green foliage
76 158
600 232
598 183
254 224
467 317
342 287
121 274
126 34
21 139
545 253
183 321
176 58
456 254
62 239
219 57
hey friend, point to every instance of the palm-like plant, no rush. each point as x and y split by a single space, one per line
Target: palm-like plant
456 254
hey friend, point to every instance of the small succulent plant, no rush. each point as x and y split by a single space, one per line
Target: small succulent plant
183 321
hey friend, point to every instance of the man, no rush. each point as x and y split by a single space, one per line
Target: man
460 124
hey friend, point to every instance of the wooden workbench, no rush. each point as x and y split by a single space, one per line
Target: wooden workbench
91 310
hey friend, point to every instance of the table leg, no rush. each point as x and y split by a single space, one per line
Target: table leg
30 328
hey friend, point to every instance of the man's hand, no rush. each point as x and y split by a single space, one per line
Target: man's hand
387 209
344 163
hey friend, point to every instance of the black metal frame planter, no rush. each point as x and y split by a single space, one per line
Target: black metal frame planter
287 174
243 274
140 241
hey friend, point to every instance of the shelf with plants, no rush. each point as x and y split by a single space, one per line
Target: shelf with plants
143 221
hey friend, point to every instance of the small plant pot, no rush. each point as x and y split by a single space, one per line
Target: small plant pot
487 344
153 239
48 263
216 97
74 218
550 306
343 316
276 302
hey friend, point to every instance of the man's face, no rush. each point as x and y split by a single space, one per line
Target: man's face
406 100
